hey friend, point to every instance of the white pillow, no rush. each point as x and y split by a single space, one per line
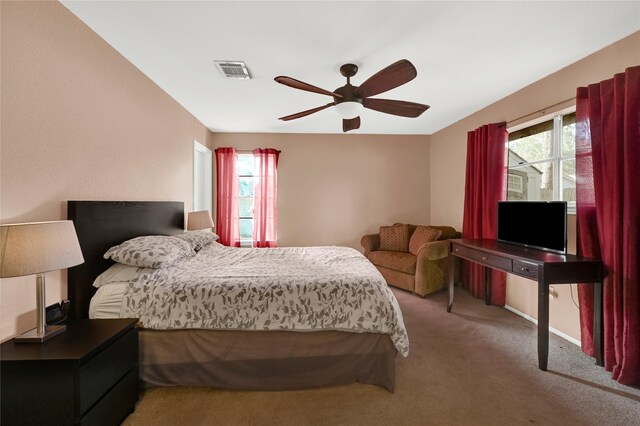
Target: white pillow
119 273
197 239
153 251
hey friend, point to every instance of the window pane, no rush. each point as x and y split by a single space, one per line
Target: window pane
245 164
568 180
531 148
246 207
246 229
569 135
532 183
246 187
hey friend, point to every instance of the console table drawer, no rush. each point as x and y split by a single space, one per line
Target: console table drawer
525 269
482 257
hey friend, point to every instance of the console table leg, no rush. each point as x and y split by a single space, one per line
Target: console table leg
598 342
451 277
543 324
487 285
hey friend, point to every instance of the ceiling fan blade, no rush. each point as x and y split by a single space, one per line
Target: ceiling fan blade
401 108
305 113
394 75
350 124
301 85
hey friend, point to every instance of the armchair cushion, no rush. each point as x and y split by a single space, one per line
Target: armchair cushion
395 260
422 236
394 238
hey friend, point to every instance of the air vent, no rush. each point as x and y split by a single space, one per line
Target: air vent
234 69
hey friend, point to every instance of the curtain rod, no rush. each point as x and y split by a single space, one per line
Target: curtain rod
509 123
247 151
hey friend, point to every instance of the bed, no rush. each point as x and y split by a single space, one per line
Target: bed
263 352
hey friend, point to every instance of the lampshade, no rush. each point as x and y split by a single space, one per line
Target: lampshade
199 220
349 109
32 248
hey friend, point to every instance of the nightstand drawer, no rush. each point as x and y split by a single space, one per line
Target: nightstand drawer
482 257
106 369
117 404
525 269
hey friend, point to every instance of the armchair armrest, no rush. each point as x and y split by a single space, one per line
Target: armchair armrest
370 243
434 250
431 264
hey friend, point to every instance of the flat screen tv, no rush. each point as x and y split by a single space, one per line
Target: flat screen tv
536 224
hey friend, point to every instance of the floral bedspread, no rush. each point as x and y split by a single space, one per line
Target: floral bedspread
298 288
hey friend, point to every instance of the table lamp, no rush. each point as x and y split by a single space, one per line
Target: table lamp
37 248
199 220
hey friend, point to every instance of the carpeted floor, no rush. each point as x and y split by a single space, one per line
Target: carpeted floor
475 366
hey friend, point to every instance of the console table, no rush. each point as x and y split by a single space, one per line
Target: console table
542 266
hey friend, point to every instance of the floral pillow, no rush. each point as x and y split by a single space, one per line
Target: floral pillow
153 251
394 238
421 237
197 239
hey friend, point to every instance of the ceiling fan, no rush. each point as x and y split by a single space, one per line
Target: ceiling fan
350 100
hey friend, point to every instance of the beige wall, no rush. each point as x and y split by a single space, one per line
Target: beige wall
78 122
332 189
448 150
81 122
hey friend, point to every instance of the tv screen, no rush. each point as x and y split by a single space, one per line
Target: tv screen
536 224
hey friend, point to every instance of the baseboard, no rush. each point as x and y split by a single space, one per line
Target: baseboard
551 329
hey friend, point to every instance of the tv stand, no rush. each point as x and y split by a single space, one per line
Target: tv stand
542 266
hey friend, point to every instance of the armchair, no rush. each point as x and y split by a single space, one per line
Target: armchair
422 273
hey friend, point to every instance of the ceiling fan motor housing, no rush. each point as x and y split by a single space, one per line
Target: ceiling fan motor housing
347 93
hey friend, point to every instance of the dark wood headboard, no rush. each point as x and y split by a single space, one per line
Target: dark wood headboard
103 224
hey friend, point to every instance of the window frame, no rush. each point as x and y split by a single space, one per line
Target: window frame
556 158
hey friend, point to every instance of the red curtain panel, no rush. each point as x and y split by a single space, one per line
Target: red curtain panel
484 187
608 215
228 188
265 197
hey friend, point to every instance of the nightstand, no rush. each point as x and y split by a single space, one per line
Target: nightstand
85 376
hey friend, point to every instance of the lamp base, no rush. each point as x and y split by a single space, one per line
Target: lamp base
32 336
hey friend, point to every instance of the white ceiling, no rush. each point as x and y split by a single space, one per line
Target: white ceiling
468 54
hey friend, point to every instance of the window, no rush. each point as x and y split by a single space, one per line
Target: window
245 198
542 165
515 183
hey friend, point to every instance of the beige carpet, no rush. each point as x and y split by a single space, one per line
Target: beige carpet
475 366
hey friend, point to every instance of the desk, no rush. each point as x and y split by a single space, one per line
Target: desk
542 266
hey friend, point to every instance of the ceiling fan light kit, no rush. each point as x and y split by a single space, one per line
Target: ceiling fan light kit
349 109
350 100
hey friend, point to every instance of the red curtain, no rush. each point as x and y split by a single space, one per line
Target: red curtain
484 187
228 188
608 215
265 197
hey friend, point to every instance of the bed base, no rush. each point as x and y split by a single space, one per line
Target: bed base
265 360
